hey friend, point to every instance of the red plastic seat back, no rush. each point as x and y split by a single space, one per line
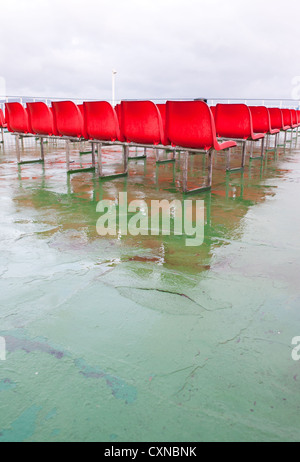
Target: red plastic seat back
2 119
17 118
162 108
287 117
233 121
260 119
294 118
101 121
41 118
68 119
141 122
276 118
213 111
190 124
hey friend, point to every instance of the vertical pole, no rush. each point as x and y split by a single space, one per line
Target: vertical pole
157 154
263 148
228 155
210 168
68 154
125 158
42 150
185 170
244 155
99 156
18 148
93 154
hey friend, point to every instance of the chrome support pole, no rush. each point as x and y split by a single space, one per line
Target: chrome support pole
18 148
263 148
228 156
251 150
125 158
244 152
68 154
93 154
99 160
209 173
185 171
42 150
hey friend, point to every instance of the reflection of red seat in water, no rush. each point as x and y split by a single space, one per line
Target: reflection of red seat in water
190 127
17 118
41 118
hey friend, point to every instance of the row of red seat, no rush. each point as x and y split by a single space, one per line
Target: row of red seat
98 120
264 120
132 122
182 125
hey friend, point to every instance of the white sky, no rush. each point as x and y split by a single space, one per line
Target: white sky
160 48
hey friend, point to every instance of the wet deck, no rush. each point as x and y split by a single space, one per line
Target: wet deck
142 338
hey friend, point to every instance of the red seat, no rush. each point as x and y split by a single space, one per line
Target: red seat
213 111
102 124
276 118
162 111
287 119
261 120
41 118
235 121
294 115
17 118
68 119
190 124
2 120
101 121
141 123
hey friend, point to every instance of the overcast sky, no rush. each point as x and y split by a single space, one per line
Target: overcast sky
160 48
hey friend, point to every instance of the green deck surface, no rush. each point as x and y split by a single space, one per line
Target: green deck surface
141 338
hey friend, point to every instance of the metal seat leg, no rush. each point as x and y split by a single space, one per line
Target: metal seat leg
208 178
100 163
228 156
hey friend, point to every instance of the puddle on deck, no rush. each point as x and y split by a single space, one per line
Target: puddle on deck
142 338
